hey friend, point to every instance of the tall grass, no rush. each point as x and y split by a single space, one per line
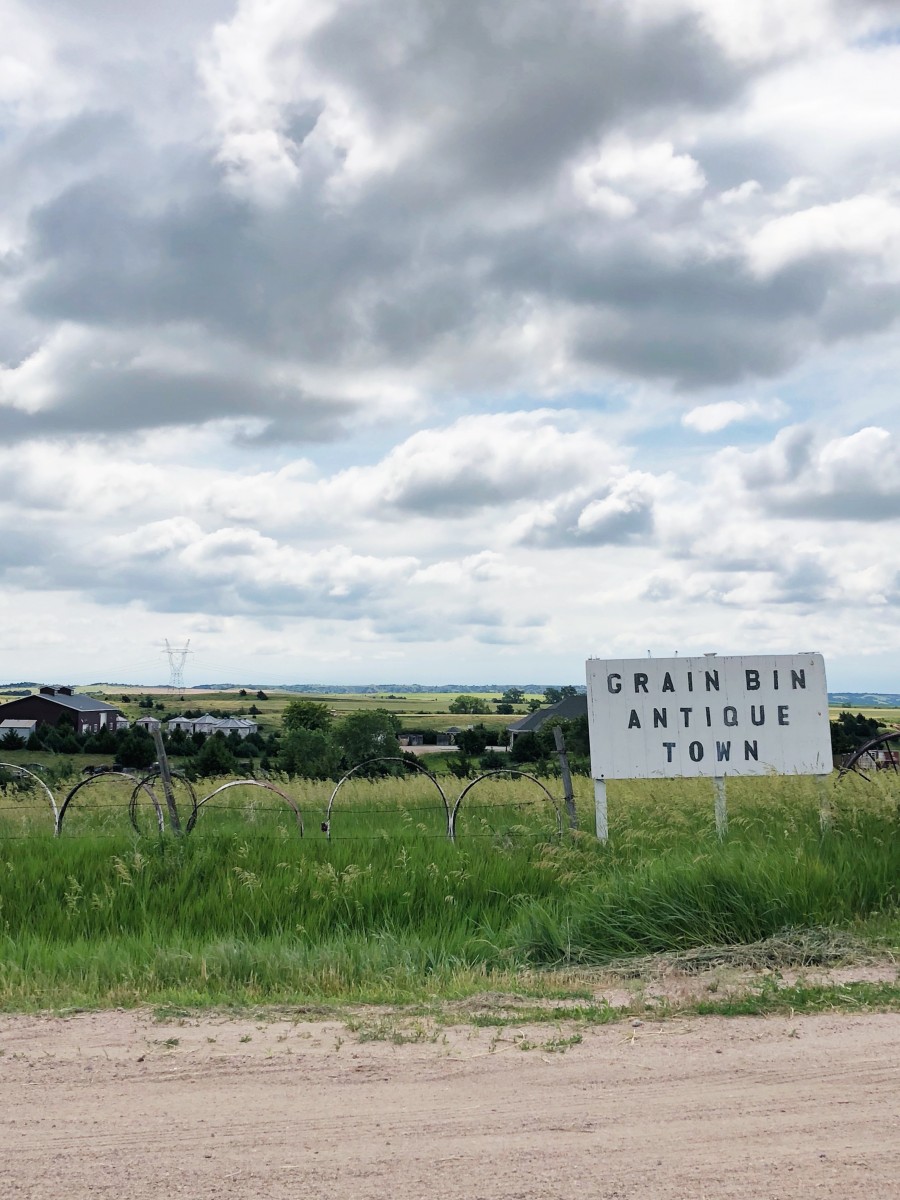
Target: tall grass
244 910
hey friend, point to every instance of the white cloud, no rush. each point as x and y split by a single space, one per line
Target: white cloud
711 418
623 171
864 225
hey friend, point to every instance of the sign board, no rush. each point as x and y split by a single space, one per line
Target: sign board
674 717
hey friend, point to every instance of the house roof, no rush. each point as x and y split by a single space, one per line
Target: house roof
566 709
78 703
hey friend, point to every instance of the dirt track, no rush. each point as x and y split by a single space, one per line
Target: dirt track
109 1105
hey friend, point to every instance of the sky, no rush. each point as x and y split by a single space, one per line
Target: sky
447 340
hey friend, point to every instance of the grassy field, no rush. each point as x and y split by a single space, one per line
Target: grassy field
244 911
418 710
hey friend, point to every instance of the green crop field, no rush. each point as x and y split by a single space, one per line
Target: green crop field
243 910
418 710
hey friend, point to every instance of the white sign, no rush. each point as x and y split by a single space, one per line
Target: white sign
709 716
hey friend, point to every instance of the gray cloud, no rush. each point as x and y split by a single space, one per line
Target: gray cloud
411 272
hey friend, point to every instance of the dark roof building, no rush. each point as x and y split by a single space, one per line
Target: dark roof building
566 709
51 704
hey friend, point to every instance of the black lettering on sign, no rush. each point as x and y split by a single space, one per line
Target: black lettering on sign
690 681
614 683
757 714
751 750
723 751
686 713
660 718
798 679
712 680
670 746
775 680
783 714
709 718
695 750
640 682
729 716
634 721
752 678
668 685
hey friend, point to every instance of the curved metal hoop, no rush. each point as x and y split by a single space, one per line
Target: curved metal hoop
145 784
326 824
871 744
505 771
160 821
37 778
260 783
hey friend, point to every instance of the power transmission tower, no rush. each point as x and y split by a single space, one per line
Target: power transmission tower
177 656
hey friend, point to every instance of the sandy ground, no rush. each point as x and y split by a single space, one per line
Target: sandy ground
118 1104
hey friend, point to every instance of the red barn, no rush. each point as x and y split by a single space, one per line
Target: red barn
51 704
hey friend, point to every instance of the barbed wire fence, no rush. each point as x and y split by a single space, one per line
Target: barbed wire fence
143 788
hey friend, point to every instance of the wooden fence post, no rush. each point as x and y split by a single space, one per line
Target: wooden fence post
566 776
166 776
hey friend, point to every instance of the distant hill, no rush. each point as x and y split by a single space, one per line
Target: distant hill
371 689
864 699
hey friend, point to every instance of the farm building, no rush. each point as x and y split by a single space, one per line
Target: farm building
208 724
23 728
51 705
566 709
148 723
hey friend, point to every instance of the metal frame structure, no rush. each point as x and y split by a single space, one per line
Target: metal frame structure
503 771
326 824
37 779
260 783
872 744
142 784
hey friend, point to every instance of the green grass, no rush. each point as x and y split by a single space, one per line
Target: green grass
417 710
244 911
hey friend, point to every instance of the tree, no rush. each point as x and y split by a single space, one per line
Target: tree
136 749
526 748
459 765
513 695
568 690
472 742
261 695
492 761
365 735
504 706
533 705
575 733
850 731
552 695
306 714
310 753
242 692
12 740
468 704
213 758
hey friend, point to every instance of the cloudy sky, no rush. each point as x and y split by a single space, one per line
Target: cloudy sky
447 340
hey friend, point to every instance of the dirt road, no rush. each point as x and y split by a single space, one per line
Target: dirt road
116 1104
